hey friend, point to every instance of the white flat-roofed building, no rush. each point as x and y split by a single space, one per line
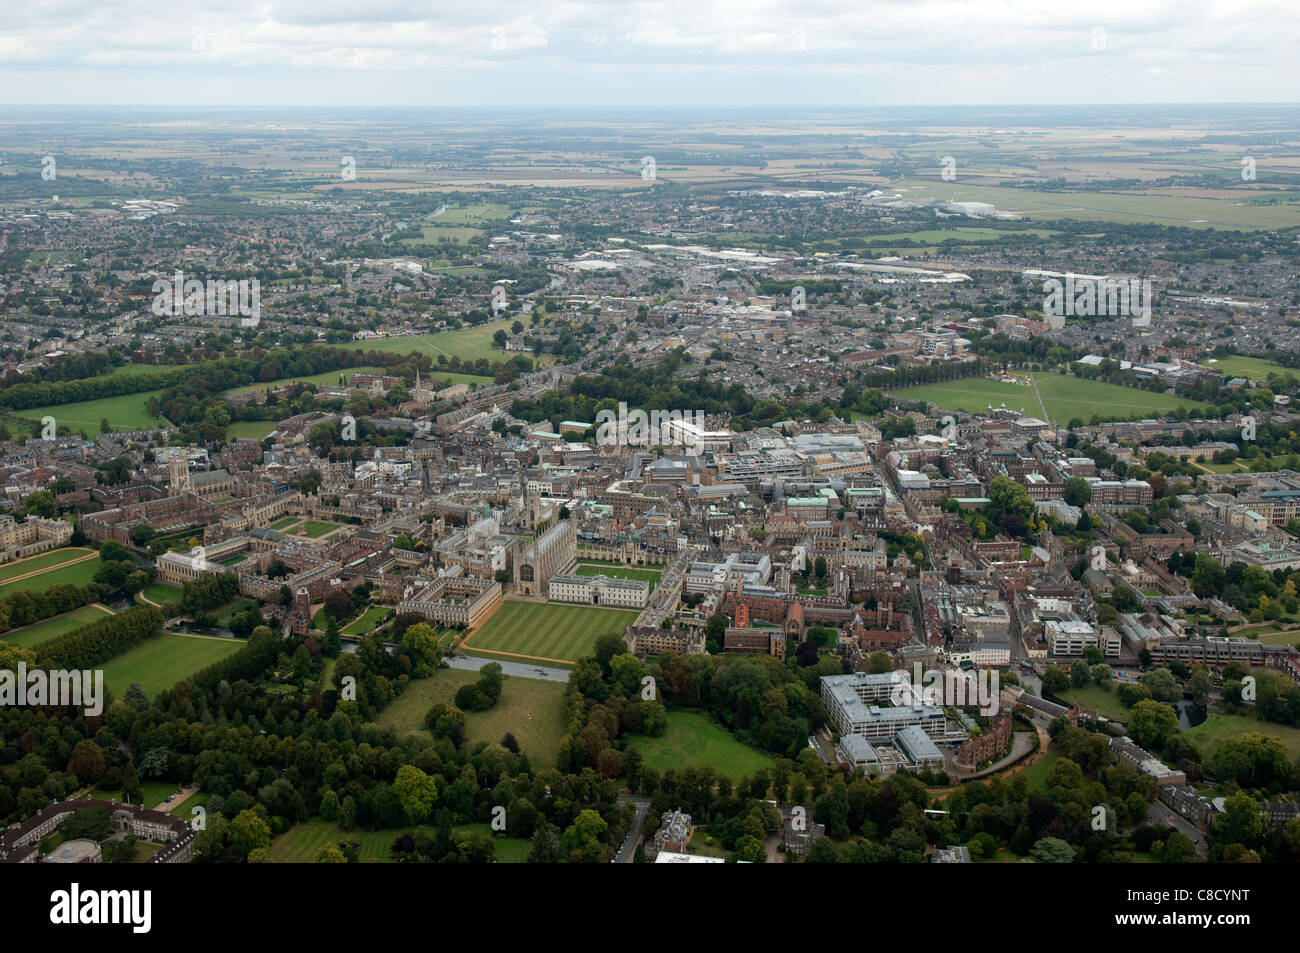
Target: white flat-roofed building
599 590
918 747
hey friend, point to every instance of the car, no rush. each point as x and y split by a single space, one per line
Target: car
168 799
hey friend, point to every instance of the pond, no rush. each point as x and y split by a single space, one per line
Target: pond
1190 714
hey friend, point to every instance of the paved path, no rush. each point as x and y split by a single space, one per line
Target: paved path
473 663
627 850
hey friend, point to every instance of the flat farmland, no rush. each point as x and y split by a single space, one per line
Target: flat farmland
159 663
561 633
51 628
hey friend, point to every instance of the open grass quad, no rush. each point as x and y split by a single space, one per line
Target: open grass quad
50 628
619 572
694 741
530 709
552 632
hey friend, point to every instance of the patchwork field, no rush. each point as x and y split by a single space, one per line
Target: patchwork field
58 625
694 741
561 633
530 709
159 663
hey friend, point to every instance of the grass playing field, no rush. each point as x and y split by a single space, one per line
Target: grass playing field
43 561
694 741
78 574
256 429
530 709
1064 398
159 663
125 412
1252 368
58 625
619 572
544 631
469 344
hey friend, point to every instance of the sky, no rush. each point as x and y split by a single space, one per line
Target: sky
637 53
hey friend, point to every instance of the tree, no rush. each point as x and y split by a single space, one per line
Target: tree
1151 723
41 503
1080 674
330 854
1052 850
416 792
1078 492
581 840
248 832
87 762
1055 682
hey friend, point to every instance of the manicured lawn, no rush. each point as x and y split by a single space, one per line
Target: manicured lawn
48 629
79 574
541 630
368 620
256 429
1036 774
159 663
1219 727
161 593
694 741
153 793
301 843
530 709
619 572
318 528
43 561
124 412
285 522
1251 368
469 344
1099 700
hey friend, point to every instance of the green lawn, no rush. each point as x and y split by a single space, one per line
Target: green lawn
58 625
366 621
162 593
1036 774
548 631
152 793
1099 700
300 844
318 528
284 522
694 741
325 377
257 429
43 561
530 709
124 412
80 574
469 344
1064 397
1220 727
159 663
1251 368
619 572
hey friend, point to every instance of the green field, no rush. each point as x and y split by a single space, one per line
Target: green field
469 344
47 629
1219 727
80 574
1036 774
125 412
285 522
694 741
530 709
161 593
1252 368
318 528
539 630
257 429
301 843
159 663
366 621
1099 700
325 377
619 572
43 561
1064 398
152 794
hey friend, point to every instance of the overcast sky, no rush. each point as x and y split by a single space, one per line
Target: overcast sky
647 52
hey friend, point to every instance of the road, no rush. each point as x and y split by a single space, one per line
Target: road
1163 816
628 848
519 669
